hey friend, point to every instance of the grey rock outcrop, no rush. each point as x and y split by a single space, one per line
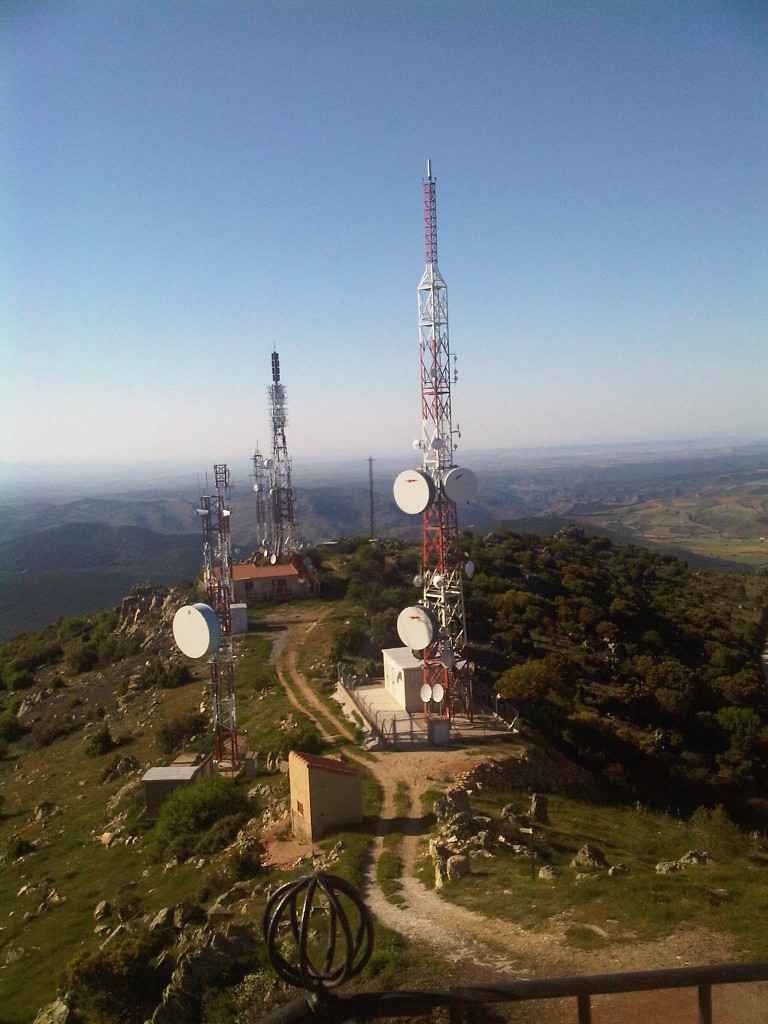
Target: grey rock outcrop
590 858
103 911
56 1012
668 867
548 873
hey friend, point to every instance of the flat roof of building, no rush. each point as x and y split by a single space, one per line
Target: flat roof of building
173 773
403 656
327 764
248 571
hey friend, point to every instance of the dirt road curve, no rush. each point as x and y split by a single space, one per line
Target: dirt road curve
494 948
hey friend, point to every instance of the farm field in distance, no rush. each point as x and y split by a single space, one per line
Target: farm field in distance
731 526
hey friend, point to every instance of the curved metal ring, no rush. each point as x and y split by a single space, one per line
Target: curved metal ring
340 964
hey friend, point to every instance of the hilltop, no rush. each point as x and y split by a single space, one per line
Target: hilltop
92 701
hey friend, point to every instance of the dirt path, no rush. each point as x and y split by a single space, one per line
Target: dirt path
501 948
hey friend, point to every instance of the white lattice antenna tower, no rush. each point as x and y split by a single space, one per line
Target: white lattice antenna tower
281 494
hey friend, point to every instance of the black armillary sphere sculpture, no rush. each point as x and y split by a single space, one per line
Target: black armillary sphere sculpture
348 945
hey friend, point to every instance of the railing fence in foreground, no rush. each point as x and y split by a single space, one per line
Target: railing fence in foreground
349 944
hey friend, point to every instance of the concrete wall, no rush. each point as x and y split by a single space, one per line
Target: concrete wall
403 678
322 798
298 774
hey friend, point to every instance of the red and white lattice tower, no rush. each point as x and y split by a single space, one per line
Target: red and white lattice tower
281 503
435 491
217 573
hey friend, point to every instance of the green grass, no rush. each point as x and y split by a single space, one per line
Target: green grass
83 870
728 895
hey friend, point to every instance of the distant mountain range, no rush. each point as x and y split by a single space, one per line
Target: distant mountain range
76 567
64 557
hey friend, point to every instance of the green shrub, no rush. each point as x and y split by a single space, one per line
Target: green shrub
177 731
190 811
157 676
115 985
245 862
100 743
17 847
304 737
11 728
220 834
19 679
58 728
80 657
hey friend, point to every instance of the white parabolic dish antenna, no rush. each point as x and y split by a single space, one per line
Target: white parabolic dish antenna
417 627
469 569
426 692
438 692
273 559
196 630
414 491
460 485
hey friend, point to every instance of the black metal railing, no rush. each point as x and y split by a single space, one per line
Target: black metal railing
290 914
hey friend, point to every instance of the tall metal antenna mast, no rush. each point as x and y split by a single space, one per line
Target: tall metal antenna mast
435 491
281 493
217 572
262 504
370 490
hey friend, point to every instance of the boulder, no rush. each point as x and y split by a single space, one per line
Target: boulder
453 802
44 810
619 869
185 913
441 873
668 867
457 866
539 811
590 858
162 919
56 1012
695 857
103 910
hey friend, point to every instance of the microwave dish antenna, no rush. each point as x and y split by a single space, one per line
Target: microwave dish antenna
196 630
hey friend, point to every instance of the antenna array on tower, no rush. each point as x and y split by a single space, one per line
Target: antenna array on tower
437 626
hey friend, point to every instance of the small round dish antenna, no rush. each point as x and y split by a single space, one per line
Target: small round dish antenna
426 692
414 491
417 627
469 569
438 443
448 658
418 581
416 445
438 692
460 485
273 559
196 630
438 581
256 488
269 464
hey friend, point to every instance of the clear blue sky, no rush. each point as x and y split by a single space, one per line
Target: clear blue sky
185 184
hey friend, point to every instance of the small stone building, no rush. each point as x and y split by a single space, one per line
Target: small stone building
403 677
267 582
324 793
159 783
